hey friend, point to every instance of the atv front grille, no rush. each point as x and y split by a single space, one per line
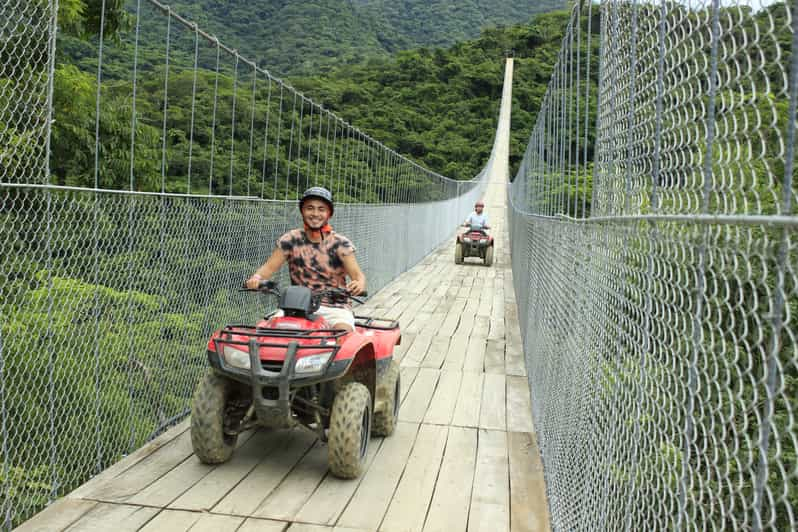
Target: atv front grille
272 365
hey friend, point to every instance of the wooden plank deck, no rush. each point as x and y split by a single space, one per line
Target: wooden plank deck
464 456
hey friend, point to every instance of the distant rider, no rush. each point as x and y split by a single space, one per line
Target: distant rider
477 218
318 258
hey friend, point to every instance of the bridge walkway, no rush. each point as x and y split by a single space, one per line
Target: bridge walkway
464 456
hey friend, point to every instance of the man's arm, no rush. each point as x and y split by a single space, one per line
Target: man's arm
357 285
269 268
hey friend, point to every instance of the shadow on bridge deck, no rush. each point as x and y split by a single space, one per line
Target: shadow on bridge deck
464 456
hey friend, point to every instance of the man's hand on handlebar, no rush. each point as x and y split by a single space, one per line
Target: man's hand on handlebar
253 282
355 287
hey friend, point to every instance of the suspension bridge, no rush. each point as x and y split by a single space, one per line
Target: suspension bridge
629 362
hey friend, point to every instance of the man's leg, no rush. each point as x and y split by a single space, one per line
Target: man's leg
339 318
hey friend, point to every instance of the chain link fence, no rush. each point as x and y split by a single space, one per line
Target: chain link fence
656 268
26 60
121 260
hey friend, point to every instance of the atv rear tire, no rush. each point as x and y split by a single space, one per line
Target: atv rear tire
458 253
489 256
388 397
350 430
210 443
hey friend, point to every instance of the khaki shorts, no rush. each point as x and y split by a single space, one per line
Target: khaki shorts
333 315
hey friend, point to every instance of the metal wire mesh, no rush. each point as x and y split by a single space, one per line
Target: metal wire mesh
119 263
656 268
26 59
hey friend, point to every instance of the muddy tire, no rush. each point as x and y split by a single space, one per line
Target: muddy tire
458 253
489 256
210 443
388 396
350 431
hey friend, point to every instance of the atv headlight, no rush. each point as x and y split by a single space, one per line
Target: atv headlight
236 358
312 363
467 240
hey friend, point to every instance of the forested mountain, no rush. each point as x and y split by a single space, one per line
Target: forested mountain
292 37
437 106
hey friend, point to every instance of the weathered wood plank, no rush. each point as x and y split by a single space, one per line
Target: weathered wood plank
409 503
469 400
528 507
217 523
434 323
169 487
493 415
494 356
253 524
436 353
463 292
172 520
475 354
124 517
468 315
448 511
331 497
418 322
416 353
400 350
132 480
289 497
519 405
58 516
455 356
417 401
490 499
481 326
130 460
303 527
407 375
256 486
514 361
207 492
372 497
443 402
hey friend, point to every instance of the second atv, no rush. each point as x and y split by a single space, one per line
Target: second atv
293 370
475 242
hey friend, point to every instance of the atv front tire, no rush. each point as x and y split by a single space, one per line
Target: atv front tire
350 431
458 253
388 398
210 443
489 256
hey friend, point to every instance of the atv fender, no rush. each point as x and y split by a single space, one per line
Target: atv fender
363 368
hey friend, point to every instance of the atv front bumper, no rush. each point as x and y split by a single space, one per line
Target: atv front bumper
271 388
474 249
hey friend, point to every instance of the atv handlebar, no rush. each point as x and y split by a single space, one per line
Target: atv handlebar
270 287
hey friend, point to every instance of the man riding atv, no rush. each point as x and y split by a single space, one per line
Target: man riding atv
477 218
318 258
311 363
475 242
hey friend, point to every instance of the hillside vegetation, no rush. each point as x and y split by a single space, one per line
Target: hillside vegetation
308 37
437 106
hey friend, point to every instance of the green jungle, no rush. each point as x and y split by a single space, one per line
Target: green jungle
430 93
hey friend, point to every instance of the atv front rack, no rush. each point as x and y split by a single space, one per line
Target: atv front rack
376 323
299 334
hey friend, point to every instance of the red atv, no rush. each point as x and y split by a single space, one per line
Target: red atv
475 242
295 369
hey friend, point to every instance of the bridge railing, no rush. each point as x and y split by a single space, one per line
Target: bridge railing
127 231
656 268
